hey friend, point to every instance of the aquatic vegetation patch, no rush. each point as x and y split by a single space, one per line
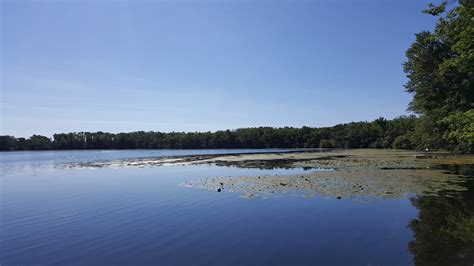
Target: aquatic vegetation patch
353 182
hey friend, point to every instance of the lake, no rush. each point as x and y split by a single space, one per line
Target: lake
55 214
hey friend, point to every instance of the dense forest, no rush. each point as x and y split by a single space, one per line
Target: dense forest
440 71
380 133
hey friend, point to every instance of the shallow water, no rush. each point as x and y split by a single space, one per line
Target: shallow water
34 161
52 214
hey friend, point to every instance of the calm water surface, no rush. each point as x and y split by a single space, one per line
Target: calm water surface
52 214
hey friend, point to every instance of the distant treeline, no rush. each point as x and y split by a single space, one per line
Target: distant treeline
380 133
400 133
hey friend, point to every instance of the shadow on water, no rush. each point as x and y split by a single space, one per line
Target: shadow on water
444 229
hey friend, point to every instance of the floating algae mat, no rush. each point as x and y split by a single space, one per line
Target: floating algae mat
342 174
351 182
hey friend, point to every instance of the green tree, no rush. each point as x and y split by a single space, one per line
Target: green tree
37 142
440 71
440 64
460 133
7 143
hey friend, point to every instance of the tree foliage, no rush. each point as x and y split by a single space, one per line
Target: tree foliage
460 132
440 64
440 71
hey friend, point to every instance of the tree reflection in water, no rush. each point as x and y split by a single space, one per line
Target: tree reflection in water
444 228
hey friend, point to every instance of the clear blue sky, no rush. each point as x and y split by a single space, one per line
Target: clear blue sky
202 65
